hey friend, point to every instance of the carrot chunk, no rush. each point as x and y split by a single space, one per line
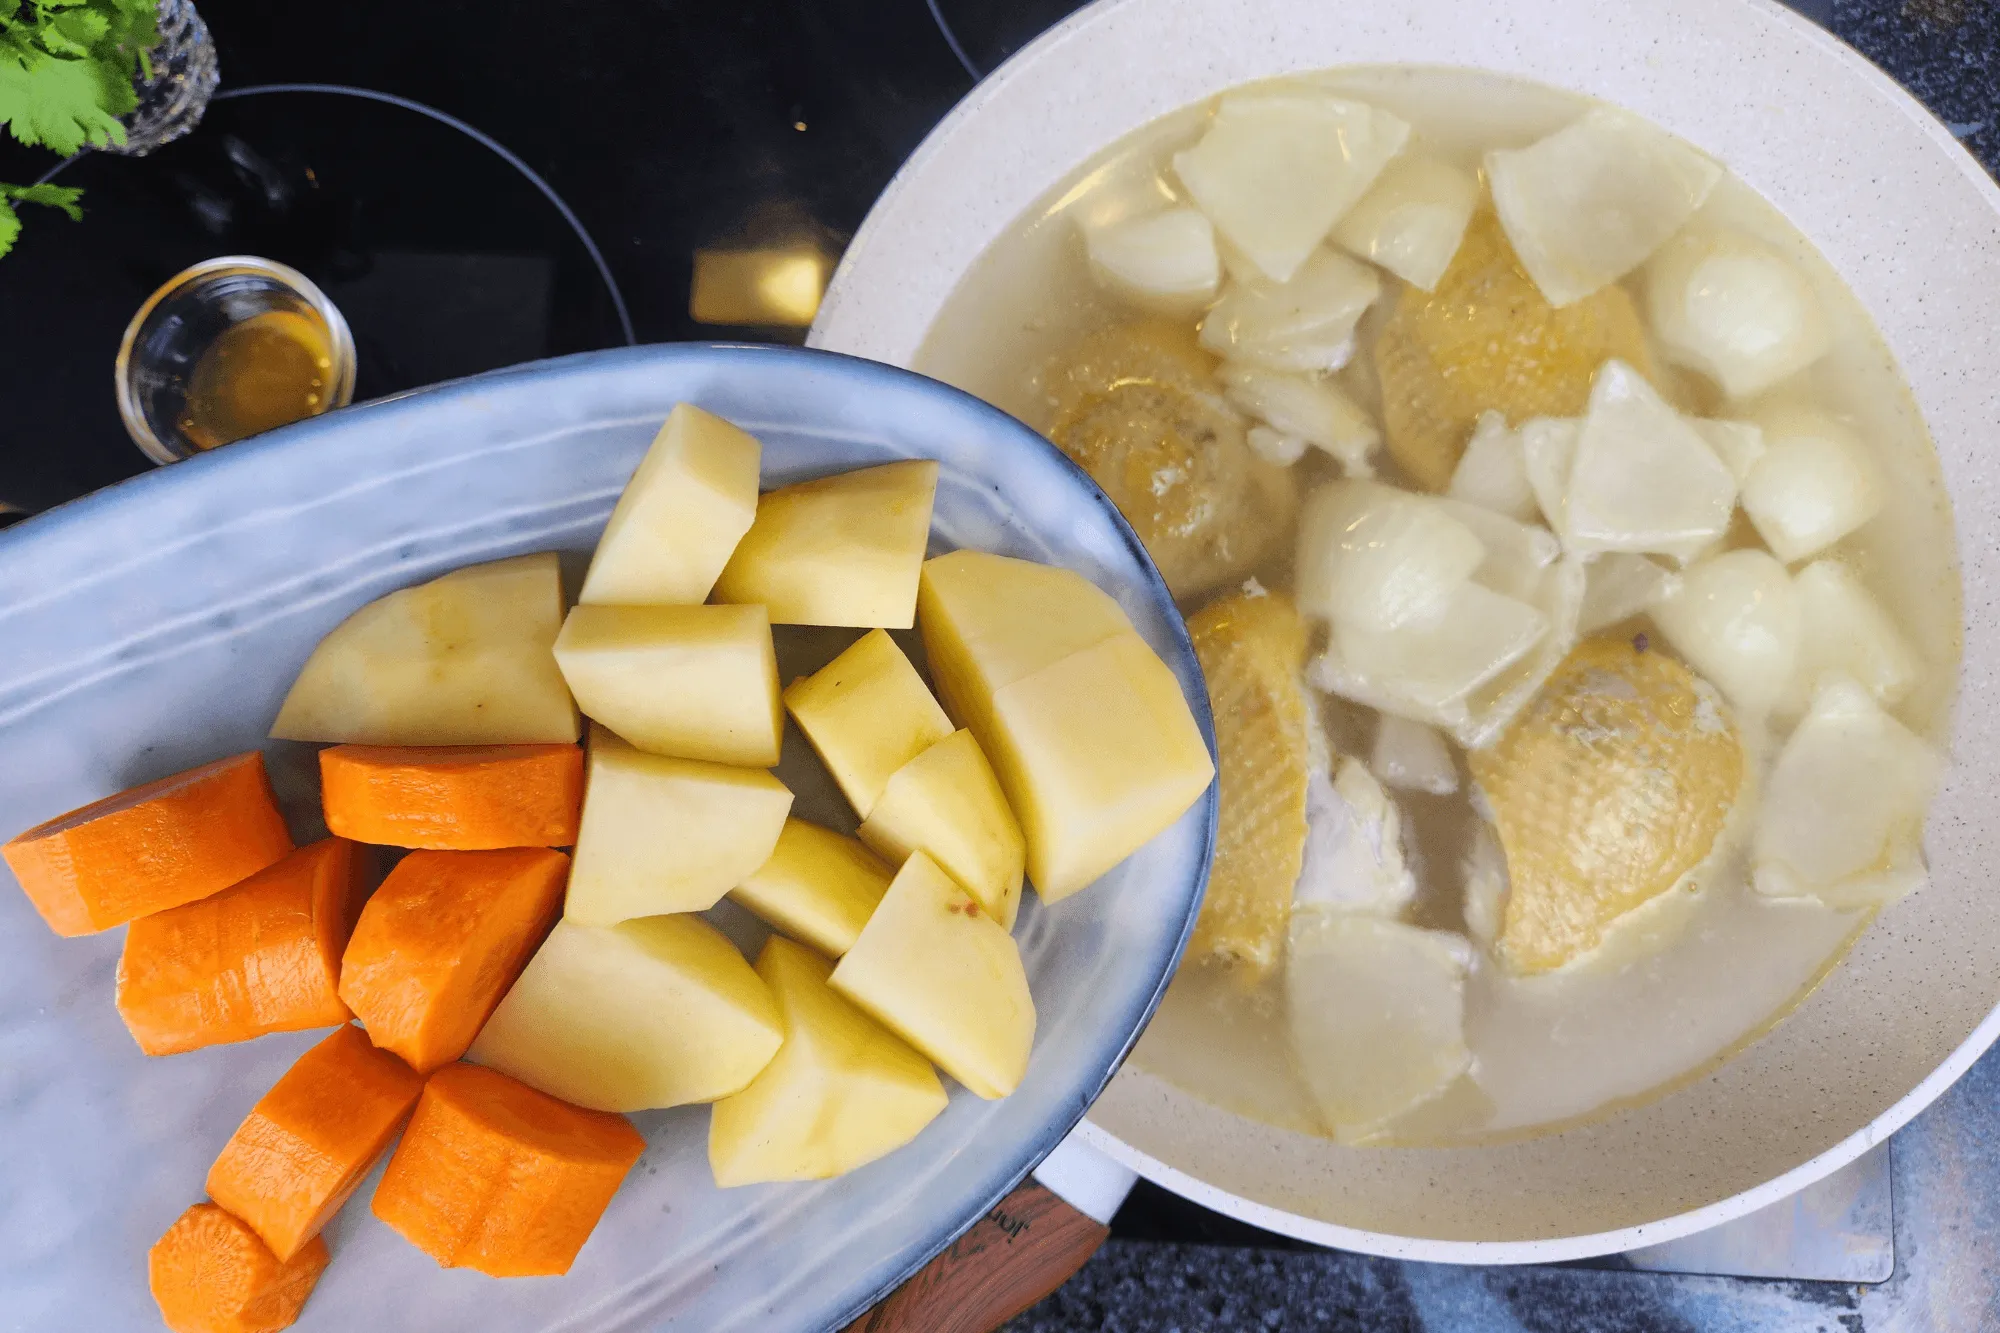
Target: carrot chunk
263 956
453 797
211 1274
440 943
308 1141
152 847
497 1177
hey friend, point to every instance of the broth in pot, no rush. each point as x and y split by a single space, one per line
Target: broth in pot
1570 567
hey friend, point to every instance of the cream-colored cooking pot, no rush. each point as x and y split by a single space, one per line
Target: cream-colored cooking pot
1913 224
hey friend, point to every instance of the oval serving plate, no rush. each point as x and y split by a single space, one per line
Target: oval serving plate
160 622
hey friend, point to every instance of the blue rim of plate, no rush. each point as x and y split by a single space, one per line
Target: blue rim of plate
1181 658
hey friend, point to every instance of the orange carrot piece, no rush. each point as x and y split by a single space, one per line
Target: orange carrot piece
440 943
466 798
494 1176
211 1274
150 848
261 957
308 1141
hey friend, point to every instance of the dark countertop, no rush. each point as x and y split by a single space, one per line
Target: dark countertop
671 127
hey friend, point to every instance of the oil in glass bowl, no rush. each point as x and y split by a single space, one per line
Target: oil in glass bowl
227 349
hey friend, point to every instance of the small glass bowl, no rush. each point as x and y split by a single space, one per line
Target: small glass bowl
166 339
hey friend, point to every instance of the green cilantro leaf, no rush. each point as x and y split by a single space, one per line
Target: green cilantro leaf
64 197
63 104
10 227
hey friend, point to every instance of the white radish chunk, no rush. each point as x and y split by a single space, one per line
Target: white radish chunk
1493 471
1591 202
1309 409
1400 563
1558 597
1518 555
1278 167
1814 484
1736 621
1376 1015
1619 586
1844 630
1165 261
1732 307
1354 846
1739 444
1306 324
1412 756
1844 806
1466 640
1413 219
1548 453
1644 480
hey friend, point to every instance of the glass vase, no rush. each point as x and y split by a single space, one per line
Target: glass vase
184 76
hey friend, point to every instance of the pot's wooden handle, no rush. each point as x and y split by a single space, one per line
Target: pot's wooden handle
1024 1249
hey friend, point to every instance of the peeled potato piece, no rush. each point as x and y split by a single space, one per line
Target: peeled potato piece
689 502
1306 324
1643 478
657 1012
1813 484
1493 471
466 659
1314 411
1252 650
1135 406
1413 219
1279 166
1736 620
1615 784
1843 811
1487 340
839 550
841 1091
1166 259
1376 1015
1591 202
1732 307
1845 630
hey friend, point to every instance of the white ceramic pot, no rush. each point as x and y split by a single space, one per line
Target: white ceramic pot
1913 224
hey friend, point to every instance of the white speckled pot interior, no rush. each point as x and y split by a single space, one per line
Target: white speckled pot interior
1913 224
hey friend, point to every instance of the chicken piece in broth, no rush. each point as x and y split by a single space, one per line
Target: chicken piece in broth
1487 339
1137 407
1252 647
1616 783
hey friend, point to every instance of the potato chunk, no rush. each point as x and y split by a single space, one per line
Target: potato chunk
841 550
688 504
668 835
841 1092
947 802
657 1012
935 969
695 682
462 660
867 713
